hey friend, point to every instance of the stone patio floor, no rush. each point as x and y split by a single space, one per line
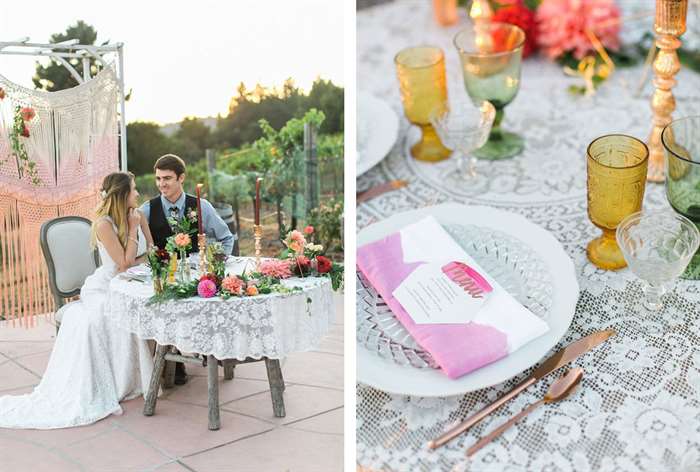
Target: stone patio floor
176 438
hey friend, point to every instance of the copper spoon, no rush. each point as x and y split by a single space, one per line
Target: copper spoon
560 389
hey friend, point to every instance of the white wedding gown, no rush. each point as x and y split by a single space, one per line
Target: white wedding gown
94 365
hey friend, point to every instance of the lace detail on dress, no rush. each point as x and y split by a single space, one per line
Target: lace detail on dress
94 365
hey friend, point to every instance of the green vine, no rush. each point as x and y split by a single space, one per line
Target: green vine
20 131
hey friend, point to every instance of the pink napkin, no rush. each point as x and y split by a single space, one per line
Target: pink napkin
457 348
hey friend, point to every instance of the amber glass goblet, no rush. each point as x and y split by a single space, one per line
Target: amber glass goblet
421 73
491 55
617 170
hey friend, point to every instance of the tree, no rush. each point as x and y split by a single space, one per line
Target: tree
191 139
144 144
55 76
328 98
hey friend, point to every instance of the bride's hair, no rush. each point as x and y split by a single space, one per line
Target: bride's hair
115 193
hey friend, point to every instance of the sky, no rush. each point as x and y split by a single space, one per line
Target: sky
187 58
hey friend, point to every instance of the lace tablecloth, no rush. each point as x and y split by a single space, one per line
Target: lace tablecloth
639 404
272 325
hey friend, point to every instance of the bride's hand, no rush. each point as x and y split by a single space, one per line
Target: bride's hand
134 218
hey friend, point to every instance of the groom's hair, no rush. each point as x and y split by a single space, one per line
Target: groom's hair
170 162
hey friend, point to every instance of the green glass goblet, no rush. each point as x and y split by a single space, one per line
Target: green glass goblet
491 55
681 142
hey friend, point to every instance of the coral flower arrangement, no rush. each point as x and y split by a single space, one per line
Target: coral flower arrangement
300 258
561 28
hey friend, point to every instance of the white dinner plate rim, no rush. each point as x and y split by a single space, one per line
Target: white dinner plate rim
391 377
385 139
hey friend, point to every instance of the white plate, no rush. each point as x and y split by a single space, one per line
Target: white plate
391 377
377 131
139 271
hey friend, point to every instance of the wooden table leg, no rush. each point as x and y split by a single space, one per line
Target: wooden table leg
274 377
213 383
229 365
169 373
149 405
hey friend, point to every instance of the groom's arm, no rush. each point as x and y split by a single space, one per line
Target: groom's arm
214 225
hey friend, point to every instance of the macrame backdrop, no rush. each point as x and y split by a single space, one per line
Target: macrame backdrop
74 141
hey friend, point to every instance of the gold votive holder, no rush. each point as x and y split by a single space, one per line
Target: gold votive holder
669 24
202 244
671 17
617 169
257 234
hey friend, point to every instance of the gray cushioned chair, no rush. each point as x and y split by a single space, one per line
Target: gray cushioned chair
65 242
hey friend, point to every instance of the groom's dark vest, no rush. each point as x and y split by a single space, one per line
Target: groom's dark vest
160 229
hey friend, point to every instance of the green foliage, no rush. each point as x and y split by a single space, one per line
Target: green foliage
247 159
145 143
328 98
191 139
276 107
326 220
330 149
229 188
18 132
54 76
174 292
337 276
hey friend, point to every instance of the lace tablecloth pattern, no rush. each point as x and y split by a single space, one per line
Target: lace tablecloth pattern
272 325
639 404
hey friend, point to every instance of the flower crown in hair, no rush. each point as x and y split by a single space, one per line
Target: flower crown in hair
103 194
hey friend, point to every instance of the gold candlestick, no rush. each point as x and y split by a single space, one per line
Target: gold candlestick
202 244
668 26
480 11
257 232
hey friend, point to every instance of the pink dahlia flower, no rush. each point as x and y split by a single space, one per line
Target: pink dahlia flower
276 268
562 25
206 288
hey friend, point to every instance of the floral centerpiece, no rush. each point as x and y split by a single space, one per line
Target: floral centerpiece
564 30
306 258
158 260
301 257
583 36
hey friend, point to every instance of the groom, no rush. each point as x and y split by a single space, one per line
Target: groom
173 201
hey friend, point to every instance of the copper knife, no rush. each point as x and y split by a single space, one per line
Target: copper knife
380 189
561 358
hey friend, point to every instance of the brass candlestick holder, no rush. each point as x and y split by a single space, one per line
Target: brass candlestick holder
257 233
202 244
668 26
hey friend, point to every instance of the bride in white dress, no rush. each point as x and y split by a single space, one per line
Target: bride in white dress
94 364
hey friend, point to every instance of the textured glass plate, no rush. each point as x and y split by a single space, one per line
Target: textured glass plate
514 265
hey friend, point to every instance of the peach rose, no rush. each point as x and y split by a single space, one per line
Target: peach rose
182 240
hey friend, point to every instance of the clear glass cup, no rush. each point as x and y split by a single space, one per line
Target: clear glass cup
681 142
464 129
421 74
617 175
657 246
491 56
